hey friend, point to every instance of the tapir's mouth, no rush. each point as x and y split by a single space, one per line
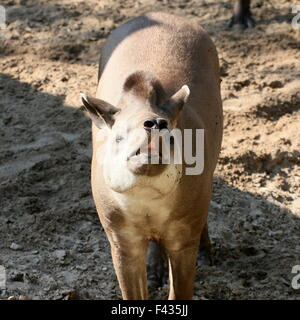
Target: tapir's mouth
150 152
146 157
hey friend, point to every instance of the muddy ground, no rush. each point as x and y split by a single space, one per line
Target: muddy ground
51 242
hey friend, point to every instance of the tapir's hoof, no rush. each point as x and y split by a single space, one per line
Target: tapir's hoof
205 257
241 23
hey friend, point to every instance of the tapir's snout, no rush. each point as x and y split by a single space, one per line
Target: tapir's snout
148 156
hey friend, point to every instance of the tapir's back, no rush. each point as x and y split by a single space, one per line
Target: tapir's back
177 52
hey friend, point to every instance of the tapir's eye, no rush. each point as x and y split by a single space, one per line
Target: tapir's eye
119 138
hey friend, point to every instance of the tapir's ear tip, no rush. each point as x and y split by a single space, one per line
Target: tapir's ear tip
85 102
186 91
83 96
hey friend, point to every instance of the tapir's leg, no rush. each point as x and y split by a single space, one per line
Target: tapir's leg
182 270
129 259
156 265
242 16
205 252
181 244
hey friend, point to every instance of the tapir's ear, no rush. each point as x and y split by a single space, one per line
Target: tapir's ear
101 112
175 104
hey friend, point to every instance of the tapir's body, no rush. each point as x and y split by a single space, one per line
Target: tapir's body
168 207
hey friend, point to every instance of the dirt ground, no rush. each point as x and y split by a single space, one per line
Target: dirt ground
51 242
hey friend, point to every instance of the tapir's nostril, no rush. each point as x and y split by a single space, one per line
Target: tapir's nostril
162 124
150 124
156 124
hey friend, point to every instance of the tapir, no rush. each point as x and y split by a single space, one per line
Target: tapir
157 72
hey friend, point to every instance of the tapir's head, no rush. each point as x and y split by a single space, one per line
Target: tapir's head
135 129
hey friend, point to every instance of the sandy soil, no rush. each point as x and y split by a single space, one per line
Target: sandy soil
51 242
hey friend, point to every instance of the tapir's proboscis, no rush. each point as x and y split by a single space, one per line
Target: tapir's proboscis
158 72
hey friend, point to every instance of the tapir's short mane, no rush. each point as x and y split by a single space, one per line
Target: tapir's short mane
146 86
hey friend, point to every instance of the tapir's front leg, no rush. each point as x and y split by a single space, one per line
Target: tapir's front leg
129 259
181 243
182 270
